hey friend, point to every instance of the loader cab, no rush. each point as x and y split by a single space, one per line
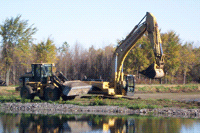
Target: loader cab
130 83
41 71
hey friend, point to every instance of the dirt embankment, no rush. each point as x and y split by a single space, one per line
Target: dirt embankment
188 88
173 96
189 92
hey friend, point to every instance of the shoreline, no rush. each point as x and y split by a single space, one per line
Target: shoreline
52 109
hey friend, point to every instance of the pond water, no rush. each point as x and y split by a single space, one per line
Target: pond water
26 123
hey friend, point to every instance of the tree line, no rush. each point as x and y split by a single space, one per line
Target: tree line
18 51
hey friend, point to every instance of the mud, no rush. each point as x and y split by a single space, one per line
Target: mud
173 96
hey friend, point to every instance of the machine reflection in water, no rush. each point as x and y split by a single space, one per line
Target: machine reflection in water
75 124
30 123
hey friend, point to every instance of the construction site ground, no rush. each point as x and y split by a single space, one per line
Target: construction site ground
182 96
188 96
182 104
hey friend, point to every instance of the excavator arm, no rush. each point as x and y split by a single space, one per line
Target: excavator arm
155 70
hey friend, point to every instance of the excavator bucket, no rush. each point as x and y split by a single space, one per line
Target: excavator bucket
153 72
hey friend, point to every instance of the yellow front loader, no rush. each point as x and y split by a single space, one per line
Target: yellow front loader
45 82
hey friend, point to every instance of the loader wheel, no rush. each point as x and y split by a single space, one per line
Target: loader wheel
27 92
68 97
41 98
51 93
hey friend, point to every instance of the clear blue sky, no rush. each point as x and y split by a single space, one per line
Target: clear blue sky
102 22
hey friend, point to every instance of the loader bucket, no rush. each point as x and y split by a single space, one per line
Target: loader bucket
153 72
75 88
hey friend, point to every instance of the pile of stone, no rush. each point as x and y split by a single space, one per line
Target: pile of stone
51 108
48 108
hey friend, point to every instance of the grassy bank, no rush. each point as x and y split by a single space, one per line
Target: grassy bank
10 95
100 101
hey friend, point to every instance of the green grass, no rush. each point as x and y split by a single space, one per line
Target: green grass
23 100
193 107
11 91
97 101
10 86
9 98
142 88
167 100
13 96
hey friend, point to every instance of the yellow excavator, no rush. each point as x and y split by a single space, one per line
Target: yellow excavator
119 82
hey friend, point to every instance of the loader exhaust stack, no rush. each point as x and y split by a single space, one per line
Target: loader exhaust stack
153 72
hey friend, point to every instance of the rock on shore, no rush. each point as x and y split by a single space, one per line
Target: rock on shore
49 108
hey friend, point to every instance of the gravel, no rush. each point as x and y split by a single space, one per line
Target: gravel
51 108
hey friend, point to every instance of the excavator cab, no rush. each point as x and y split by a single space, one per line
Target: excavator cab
130 83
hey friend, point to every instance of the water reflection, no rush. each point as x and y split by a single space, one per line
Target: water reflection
29 123
65 123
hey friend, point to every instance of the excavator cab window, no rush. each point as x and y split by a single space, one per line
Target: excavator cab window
130 83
